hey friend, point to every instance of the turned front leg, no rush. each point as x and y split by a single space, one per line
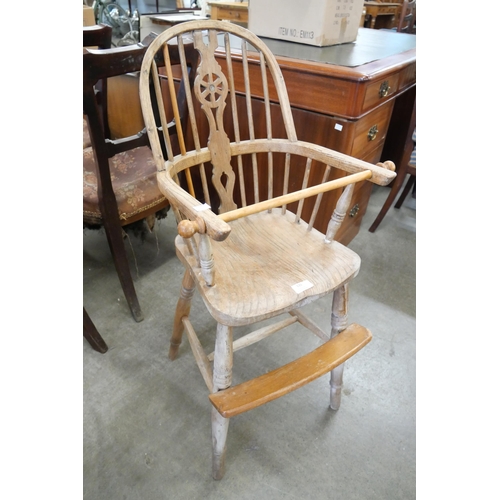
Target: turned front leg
222 376
182 310
339 323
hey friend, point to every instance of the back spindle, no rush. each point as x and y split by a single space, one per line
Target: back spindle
236 123
305 180
317 203
251 129
161 108
267 106
286 180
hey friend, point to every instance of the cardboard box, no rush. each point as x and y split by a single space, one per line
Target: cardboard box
313 22
88 16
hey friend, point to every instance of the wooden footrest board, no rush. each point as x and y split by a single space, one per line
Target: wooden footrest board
260 390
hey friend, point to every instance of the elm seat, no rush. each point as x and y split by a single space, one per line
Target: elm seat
256 243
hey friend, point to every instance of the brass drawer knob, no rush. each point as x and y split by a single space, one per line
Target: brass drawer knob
354 211
384 89
372 133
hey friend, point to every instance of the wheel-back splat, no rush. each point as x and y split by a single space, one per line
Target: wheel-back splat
211 89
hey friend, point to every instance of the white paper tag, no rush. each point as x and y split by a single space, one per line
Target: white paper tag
338 127
303 285
200 208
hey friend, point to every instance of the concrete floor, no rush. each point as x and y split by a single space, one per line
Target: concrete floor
147 433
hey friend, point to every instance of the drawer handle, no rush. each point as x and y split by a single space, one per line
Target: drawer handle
384 89
354 211
372 133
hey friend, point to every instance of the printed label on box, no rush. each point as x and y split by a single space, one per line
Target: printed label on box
316 22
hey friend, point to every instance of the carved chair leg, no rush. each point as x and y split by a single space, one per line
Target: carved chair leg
398 182
182 310
222 376
339 323
92 335
114 233
406 190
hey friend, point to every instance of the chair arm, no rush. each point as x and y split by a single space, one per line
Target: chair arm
215 227
381 175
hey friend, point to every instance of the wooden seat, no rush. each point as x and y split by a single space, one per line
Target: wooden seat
255 270
119 174
246 203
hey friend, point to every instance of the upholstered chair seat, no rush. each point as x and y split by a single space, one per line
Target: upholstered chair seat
133 175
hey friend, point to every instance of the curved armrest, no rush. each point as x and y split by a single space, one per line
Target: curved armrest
382 174
215 227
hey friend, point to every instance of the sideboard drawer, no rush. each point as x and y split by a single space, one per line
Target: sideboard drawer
370 131
375 155
408 77
380 91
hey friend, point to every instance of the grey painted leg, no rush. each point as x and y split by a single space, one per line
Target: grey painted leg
223 367
182 310
339 323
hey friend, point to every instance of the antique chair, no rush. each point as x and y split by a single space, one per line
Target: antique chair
407 22
119 174
241 201
409 166
98 36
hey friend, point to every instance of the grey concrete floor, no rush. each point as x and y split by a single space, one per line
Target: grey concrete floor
147 435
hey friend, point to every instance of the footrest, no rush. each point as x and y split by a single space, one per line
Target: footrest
260 390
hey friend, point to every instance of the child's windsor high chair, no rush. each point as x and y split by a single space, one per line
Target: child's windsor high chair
240 200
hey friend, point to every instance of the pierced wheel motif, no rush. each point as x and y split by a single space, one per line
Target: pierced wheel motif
212 89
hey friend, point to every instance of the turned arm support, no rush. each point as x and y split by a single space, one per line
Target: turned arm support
187 229
343 204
